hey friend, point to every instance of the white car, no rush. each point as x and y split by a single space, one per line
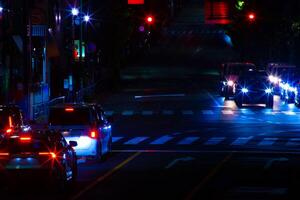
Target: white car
82 123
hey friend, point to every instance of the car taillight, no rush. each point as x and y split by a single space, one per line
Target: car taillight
94 134
25 139
69 109
50 154
4 154
9 130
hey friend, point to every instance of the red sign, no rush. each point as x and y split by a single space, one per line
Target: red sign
217 12
136 2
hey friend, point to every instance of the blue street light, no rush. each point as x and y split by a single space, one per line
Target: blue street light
75 11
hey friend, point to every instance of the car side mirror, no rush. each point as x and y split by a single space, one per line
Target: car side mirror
73 143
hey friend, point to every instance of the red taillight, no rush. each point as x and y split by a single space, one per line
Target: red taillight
51 154
93 134
25 139
69 109
9 130
4 154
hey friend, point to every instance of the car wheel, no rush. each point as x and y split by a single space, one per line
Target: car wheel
60 180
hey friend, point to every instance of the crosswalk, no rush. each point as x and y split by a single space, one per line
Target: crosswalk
212 141
225 112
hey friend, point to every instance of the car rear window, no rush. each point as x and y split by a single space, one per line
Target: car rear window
77 116
36 144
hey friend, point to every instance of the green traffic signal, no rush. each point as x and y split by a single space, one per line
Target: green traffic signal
240 4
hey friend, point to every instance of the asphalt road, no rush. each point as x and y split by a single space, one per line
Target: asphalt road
189 146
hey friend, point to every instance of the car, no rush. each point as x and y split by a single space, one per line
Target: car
277 72
85 125
11 120
288 86
253 87
39 154
229 75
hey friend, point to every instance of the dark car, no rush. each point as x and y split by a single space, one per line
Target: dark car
288 86
253 87
229 74
38 154
86 125
11 120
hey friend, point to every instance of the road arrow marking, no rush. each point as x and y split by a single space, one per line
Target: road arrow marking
174 162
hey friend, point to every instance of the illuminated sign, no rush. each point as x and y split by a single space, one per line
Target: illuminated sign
136 2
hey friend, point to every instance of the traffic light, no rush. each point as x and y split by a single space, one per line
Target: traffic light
251 17
149 19
240 5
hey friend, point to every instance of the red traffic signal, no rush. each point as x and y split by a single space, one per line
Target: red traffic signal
251 17
149 19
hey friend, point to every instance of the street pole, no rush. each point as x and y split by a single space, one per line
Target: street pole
80 46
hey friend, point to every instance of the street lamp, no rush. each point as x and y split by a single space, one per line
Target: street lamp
1 9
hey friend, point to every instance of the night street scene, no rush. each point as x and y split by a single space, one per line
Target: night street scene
149 99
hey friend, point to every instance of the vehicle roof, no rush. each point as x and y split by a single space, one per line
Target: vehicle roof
280 65
239 64
74 105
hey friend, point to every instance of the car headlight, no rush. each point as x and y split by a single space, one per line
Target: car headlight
245 90
230 83
274 79
268 90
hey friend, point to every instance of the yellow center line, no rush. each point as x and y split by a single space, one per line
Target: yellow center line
105 176
211 174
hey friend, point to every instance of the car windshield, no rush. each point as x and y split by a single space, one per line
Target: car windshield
63 117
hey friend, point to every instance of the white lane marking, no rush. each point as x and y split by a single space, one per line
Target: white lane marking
127 113
162 140
207 112
159 95
136 140
168 112
247 112
116 139
242 140
187 112
293 142
147 112
289 113
109 113
227 112
188 140
267 142
214 140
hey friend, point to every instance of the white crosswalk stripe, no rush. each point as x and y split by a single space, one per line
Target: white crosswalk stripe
227 112
136 140
188 140
214 140
242 140
293 142
267 142
207 112
116 139
109 113
187 112
127 113
162 140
